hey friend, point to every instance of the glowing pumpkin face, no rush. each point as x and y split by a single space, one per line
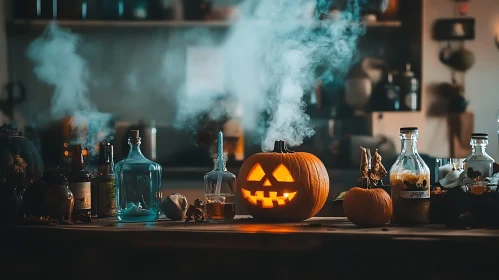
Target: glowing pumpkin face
280 174
283 185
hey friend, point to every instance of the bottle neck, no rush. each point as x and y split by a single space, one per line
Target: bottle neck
106 169
77 162
107 162
106 157
134 149
409 147
478 149
219 166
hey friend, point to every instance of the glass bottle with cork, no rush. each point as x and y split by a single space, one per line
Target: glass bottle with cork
138 185
219 189
410 183
80 186
479 165
106 193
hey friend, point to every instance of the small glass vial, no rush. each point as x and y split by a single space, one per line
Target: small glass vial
138 185
410 183
479 164
220 193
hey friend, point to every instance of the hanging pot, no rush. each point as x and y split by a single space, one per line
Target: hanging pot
462 60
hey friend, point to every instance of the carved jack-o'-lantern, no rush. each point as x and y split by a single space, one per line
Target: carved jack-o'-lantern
283 185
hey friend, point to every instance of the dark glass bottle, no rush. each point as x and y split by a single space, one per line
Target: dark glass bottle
106 186
80 186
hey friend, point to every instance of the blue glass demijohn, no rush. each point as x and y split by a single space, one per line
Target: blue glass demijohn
138 185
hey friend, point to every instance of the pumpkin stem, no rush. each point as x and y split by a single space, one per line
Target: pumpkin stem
280 147
364 182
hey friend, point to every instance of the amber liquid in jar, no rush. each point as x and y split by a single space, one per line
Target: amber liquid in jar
410 183
410 206
220 211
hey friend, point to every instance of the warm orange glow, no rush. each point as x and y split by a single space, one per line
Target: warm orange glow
290 196
478 190
268 202
256 173
84 153
66 153
267 183
65 145
282 174
266 228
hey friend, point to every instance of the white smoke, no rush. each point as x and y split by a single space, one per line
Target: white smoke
58 64
271 55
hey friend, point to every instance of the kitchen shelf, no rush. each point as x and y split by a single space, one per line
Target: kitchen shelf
119 23
41 23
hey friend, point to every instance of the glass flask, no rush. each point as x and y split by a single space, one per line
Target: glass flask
138 185
410 182
479 164
220 196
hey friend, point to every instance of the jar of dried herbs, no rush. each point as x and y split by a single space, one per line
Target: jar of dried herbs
410 183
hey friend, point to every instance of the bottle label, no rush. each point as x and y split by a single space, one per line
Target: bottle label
415 194
82 195
107 198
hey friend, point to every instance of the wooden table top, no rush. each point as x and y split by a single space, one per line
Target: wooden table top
244 233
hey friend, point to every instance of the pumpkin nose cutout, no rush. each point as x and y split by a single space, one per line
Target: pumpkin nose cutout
267 183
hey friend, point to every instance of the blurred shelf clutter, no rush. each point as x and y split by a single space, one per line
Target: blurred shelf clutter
385 72
149 13
194 10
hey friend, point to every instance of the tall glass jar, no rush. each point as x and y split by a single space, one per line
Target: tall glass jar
138 185
220 193
479 164
410 183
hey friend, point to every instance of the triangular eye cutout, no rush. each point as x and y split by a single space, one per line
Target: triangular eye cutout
282 174
256 173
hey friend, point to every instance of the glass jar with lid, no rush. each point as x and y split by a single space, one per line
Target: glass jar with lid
220 197
479 165
138 185
410 182
220 188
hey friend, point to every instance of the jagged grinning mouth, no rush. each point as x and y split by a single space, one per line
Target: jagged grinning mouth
268 201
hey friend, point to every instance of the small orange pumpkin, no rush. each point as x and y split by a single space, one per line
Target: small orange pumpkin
367 207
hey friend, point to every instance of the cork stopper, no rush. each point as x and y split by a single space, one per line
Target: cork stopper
134 135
